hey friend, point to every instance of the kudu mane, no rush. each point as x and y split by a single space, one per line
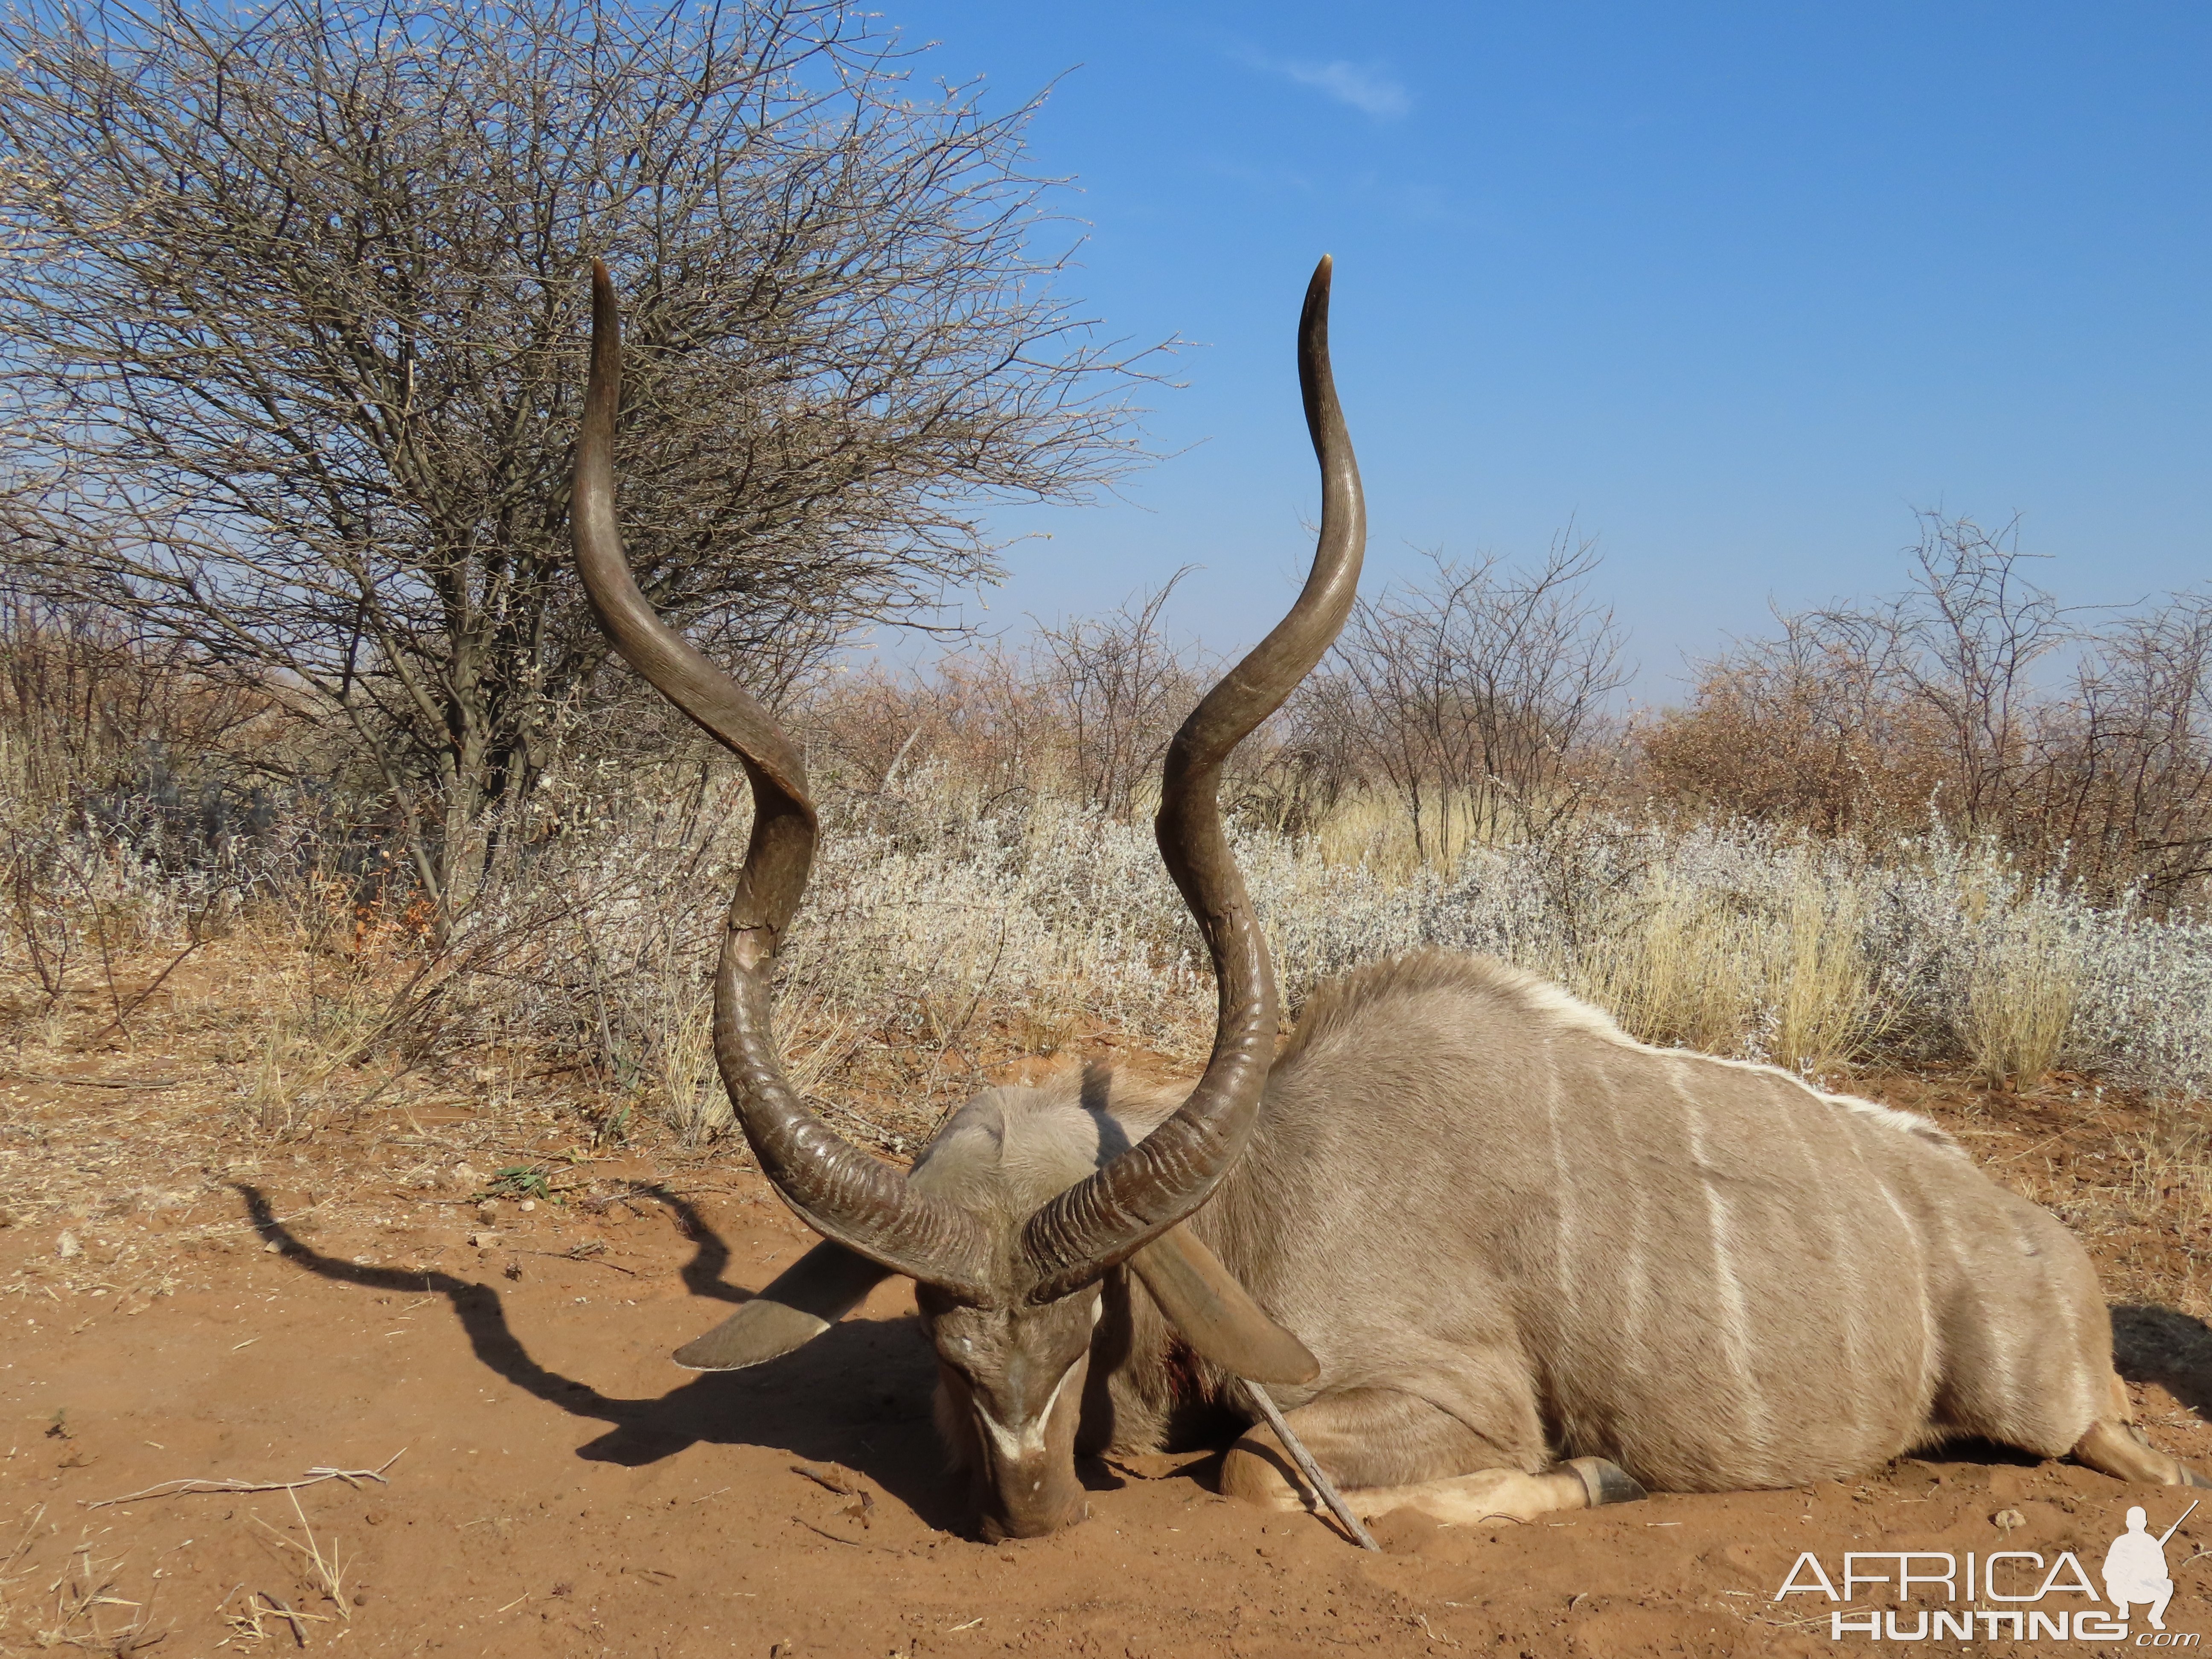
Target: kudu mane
1520 999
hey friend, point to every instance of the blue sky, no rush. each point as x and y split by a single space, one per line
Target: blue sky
1731 288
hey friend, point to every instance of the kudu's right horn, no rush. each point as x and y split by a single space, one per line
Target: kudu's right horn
1164 1177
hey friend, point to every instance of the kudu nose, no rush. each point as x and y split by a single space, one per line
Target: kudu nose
1042 1520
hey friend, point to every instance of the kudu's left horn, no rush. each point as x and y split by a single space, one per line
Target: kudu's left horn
839 1191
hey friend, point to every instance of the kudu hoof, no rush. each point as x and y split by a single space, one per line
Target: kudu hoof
1606 1483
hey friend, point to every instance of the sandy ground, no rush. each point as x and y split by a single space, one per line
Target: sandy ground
257 1309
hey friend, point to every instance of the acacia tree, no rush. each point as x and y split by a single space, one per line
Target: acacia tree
2122 790
1961 645
292 306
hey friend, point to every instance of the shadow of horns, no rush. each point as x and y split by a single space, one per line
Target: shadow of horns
854 1395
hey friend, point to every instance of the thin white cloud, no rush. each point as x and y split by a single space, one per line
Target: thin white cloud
1367 87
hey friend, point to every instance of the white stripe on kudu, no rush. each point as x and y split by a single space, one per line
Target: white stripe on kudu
1563 1197
1733 1318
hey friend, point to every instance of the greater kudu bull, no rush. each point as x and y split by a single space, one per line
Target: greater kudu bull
1534 1262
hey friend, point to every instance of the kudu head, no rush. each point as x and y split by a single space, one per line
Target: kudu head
1008 1281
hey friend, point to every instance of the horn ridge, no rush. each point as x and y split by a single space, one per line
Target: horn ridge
842 1192
1114 1212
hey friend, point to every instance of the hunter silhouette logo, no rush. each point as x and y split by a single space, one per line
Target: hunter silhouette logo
2135 1568
1940 1595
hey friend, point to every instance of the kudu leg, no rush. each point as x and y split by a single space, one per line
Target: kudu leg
1390 1450
2110 1448
2114 1447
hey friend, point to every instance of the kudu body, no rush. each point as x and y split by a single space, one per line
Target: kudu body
1511 1236
1504 1234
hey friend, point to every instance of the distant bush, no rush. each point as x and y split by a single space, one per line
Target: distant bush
1874 840
1933 712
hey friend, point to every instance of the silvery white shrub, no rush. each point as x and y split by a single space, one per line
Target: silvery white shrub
602 935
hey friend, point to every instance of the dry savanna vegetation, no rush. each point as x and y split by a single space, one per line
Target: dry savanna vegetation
360 1133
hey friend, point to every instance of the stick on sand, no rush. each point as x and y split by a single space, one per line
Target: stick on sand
1311 1470
314 1477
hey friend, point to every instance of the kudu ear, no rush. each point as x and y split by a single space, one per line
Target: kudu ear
805 1299
1211 1309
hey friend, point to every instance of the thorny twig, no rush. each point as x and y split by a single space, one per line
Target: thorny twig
99 1082
193 1487
583 1253
298 1625
851 1543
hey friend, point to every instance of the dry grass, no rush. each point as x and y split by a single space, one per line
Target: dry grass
1676 965
1369 830
2021 998
818 1041
82 1606
325 1571
1781 976
2169 1169
689 1089
1826 1009
16 1571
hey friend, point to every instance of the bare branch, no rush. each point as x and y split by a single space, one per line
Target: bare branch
290 302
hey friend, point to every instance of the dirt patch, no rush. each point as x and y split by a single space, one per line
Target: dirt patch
187 1296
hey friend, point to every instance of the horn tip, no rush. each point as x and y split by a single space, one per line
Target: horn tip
1316 305
606 319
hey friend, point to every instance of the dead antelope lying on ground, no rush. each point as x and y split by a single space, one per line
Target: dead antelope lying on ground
1532 1263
